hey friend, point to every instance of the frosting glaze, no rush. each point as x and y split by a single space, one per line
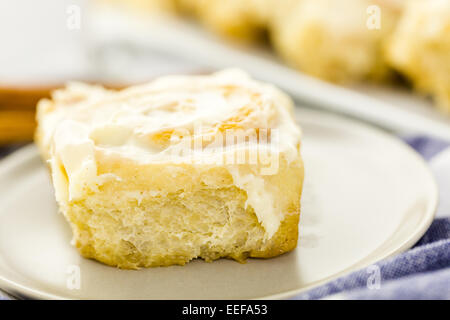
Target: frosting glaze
172 119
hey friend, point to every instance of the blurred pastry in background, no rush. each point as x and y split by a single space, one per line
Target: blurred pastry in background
148 5
331 39
420 48
336 40
245 20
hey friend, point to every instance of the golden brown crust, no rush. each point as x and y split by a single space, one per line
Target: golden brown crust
283 241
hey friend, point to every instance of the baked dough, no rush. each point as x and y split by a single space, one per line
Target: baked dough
143 5
420 48
246 20
146 178
331 39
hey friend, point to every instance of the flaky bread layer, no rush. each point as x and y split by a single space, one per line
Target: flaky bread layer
125 255
160 215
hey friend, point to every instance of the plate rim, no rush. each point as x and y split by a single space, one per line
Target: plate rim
406 244
27 152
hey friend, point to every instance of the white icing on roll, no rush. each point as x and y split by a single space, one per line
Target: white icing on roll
143 123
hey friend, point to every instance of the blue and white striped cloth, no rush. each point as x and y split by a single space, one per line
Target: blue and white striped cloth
422 272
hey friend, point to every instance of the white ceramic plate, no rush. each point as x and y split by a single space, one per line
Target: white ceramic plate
367 196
